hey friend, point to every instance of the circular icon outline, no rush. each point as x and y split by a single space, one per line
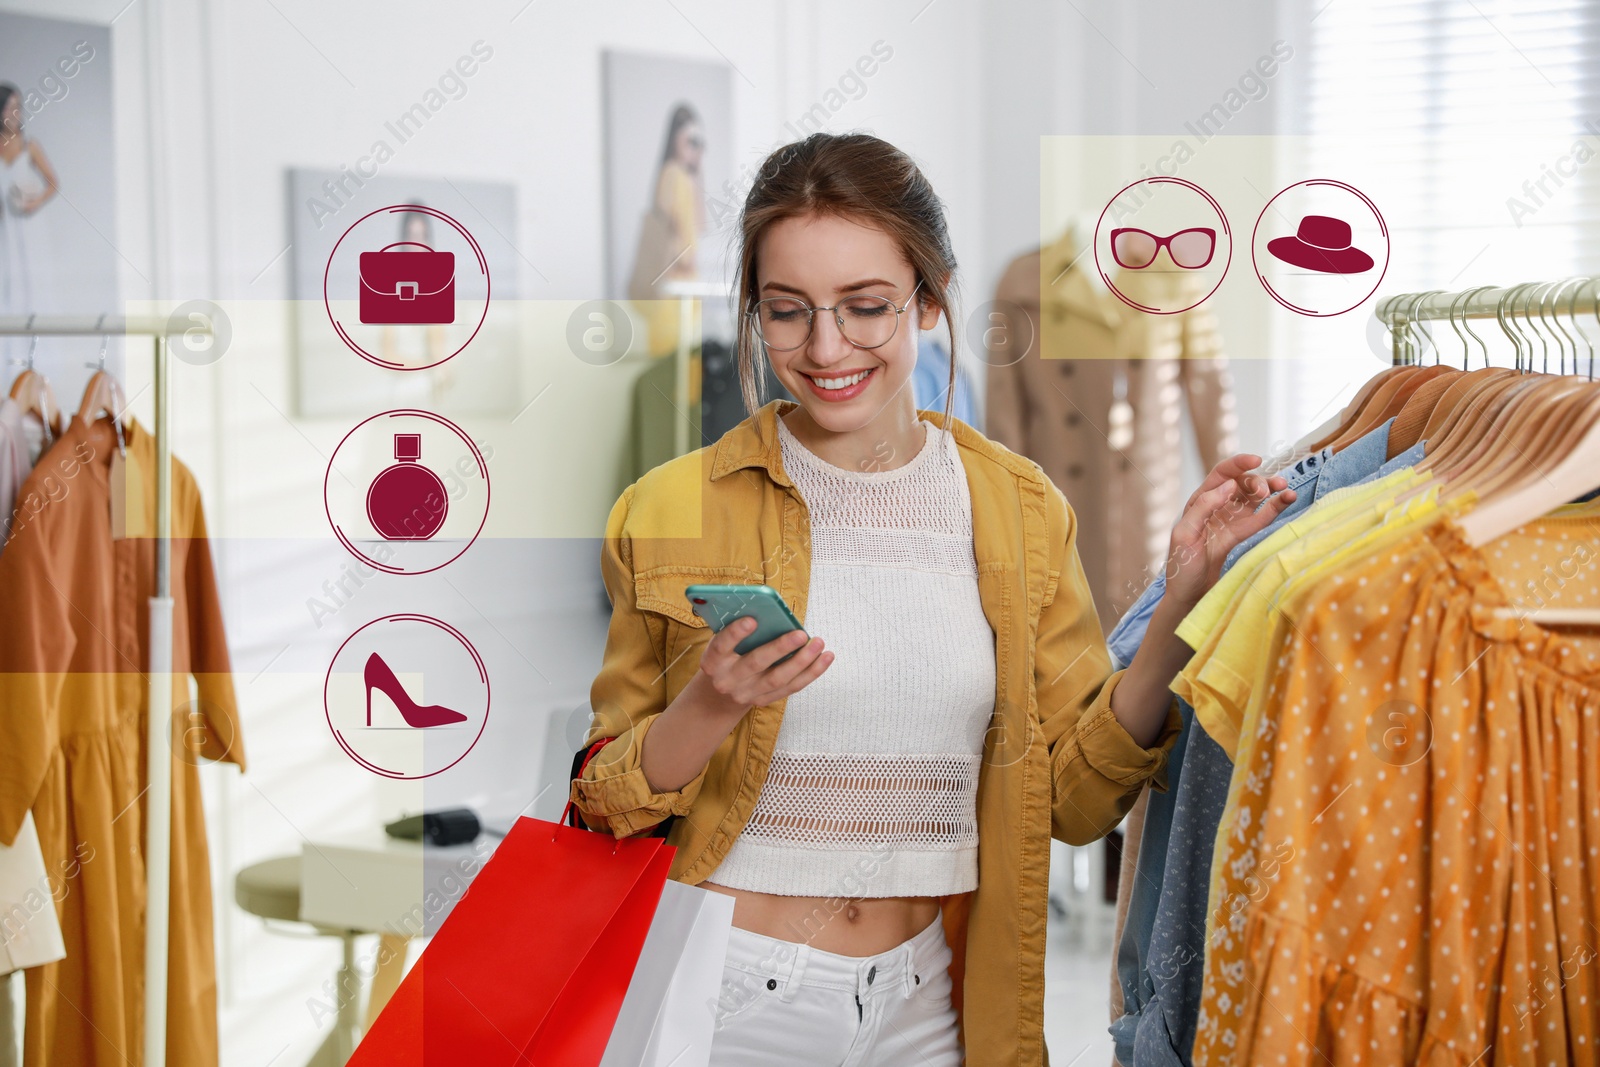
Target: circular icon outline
615 314
350 343
1222 216
483 675
218 324
1014 313
1410 721
483 471
1383 227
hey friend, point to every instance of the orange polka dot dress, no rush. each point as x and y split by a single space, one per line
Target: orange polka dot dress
1408 869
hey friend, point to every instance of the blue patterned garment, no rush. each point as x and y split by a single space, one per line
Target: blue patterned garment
1163 941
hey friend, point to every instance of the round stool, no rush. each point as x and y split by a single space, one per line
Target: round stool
271 890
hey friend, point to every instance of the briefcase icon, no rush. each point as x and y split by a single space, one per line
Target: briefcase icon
417 286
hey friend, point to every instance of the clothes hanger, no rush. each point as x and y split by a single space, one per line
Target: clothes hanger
1456 431
1459 397
31 390
1568 468
1537 493
1375 394
1572 310
1524 434
1324 434
1576 285
103 393
1488 424
1419 412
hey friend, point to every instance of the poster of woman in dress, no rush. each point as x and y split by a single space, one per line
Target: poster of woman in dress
27 183
59 241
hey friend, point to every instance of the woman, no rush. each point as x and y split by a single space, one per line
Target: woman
418 347
880 804
27 182
671 230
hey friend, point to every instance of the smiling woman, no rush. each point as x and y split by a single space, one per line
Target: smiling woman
839 794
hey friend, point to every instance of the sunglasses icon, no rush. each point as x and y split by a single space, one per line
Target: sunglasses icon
1190 249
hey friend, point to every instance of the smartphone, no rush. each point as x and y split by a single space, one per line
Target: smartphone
721 604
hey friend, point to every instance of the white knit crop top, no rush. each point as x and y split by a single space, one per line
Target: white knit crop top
873 783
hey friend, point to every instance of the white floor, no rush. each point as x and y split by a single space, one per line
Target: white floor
1077 992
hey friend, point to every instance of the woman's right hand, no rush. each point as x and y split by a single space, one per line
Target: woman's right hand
727 685
736 683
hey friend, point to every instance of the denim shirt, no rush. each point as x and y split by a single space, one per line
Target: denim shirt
1163 941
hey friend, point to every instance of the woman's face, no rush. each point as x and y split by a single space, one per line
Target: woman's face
689 145
417 230
11 114
823 259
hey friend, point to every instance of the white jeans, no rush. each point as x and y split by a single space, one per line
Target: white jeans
784 1002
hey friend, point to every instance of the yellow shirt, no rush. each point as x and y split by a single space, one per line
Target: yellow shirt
1228 627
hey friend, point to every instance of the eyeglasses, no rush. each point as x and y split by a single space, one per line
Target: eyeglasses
784 322
1190 249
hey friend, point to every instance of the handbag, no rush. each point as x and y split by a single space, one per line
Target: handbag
408 287
534 962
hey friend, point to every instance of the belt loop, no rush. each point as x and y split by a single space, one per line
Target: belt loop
909 970
795 972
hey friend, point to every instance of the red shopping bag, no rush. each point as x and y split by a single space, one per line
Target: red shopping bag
416 286
532 964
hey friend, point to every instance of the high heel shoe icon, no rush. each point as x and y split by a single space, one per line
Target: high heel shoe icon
420 716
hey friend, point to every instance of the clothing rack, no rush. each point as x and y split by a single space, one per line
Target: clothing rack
158 825
1536 303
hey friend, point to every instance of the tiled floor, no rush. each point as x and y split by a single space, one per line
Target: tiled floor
1076 1002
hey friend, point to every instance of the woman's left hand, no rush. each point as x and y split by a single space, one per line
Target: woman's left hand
1220 514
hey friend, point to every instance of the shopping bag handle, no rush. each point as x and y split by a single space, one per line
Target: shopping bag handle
413 244
580 763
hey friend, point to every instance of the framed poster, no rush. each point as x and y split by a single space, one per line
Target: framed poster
668 143
58 227
347 364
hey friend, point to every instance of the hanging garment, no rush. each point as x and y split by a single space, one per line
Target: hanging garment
1428 902
1117 458
30 934
930 381
16 459
1164 940
72 745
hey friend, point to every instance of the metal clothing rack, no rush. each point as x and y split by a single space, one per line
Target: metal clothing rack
158 825
1536 303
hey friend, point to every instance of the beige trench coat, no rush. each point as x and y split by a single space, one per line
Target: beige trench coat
1054 405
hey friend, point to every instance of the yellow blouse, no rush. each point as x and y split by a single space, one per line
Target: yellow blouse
1393 885
1228 632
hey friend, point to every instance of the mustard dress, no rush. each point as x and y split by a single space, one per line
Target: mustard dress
73 657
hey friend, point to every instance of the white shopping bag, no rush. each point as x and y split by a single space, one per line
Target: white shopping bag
669 1013
30 934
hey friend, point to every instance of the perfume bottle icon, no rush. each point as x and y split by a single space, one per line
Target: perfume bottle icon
407 502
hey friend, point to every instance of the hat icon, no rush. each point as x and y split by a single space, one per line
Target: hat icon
1322 243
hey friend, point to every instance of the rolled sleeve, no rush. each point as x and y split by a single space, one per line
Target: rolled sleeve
613 793
628 695
1113 753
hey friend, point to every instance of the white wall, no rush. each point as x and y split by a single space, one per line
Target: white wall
217 99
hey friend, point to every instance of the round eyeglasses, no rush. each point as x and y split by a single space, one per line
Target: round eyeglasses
784 322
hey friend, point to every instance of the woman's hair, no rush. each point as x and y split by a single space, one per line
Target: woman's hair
682 115
408 217
856 176
7 91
